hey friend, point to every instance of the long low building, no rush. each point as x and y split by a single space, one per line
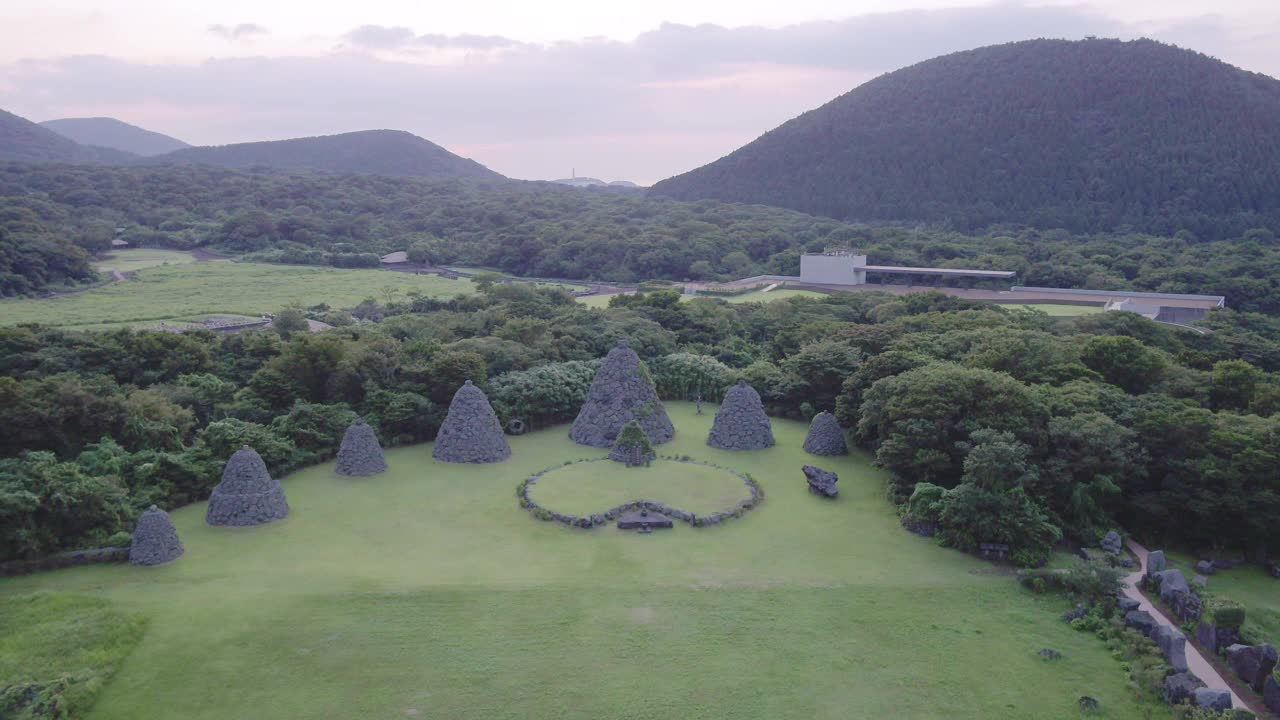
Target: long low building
848 268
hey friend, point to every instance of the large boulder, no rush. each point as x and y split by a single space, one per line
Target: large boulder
1181 687
360 454
1271 694
1210 699
1173 646
247 495
825 436
1141 621
1205 567
1253 663
1127 604
470 432
1112 542
740 422
621 392
155 540
1170 583
1155 563
821 482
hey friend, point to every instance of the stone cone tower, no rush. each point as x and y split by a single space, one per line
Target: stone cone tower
740 422
360 453
155 540
825 436
247 495
621 392
632 447
471 432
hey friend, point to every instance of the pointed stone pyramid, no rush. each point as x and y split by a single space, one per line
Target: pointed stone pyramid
247 495
360 453
471 432
632 447
825 436
740 422
155 540
621 392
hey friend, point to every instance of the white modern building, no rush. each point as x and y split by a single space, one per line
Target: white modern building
850 268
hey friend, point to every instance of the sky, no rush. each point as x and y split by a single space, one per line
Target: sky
536 90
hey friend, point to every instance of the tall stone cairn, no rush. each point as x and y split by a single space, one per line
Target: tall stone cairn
825 436
247 495
155 540
740 422
621 392
360 453
471 432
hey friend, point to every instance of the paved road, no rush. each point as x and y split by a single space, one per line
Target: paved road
1195 661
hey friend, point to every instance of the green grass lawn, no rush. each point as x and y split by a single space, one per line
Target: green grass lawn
218 288
1060 310
137 259
780 293
427 592
1249 585
587 488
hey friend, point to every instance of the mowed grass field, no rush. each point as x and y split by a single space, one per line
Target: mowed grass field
141 258
426 592
1060 310
589 488
196 290
753 296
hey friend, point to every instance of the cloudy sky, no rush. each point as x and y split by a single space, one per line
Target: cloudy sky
636 91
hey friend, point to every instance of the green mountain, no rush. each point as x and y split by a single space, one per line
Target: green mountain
1087 135
112 133
24 141
372 152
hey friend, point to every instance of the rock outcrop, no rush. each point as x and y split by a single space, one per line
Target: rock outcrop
471 432
247 495
1210 699
821 482
825 436
1112 543
1181 687
740 422
360 453
1253 663
621 392
155 540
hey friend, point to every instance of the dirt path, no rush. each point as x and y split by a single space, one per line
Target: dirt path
1195 661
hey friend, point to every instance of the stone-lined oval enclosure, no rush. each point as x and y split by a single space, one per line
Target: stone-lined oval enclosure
596 490
431 586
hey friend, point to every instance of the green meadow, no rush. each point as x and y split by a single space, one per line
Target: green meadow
427 592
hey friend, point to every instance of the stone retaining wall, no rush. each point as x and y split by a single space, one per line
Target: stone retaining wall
603 518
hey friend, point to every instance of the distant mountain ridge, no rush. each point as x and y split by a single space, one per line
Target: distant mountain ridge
115 134
24 141
1089 135
375 152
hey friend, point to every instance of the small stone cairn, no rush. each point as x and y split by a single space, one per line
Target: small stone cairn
821 482
471 432
825 436
155 540
360 453
620 393
633 447
247 495
1112 543
740 422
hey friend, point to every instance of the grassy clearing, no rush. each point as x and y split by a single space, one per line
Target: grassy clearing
427 592
1060 310
1249 585
586 488
67 646
141 258
218 288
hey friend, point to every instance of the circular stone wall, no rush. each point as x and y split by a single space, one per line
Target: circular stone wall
595 492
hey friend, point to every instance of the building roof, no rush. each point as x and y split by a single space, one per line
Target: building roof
1161 299
117 242
949 272
398 256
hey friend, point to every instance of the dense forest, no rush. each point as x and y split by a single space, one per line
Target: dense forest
1094 135
24 141
548 230
995 425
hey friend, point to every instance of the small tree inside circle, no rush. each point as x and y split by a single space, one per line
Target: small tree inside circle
632 447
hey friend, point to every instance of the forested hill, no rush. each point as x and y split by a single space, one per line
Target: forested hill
373 152
24 141
1089 135
111 133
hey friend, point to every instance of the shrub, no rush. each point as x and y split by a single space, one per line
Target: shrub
1226 613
